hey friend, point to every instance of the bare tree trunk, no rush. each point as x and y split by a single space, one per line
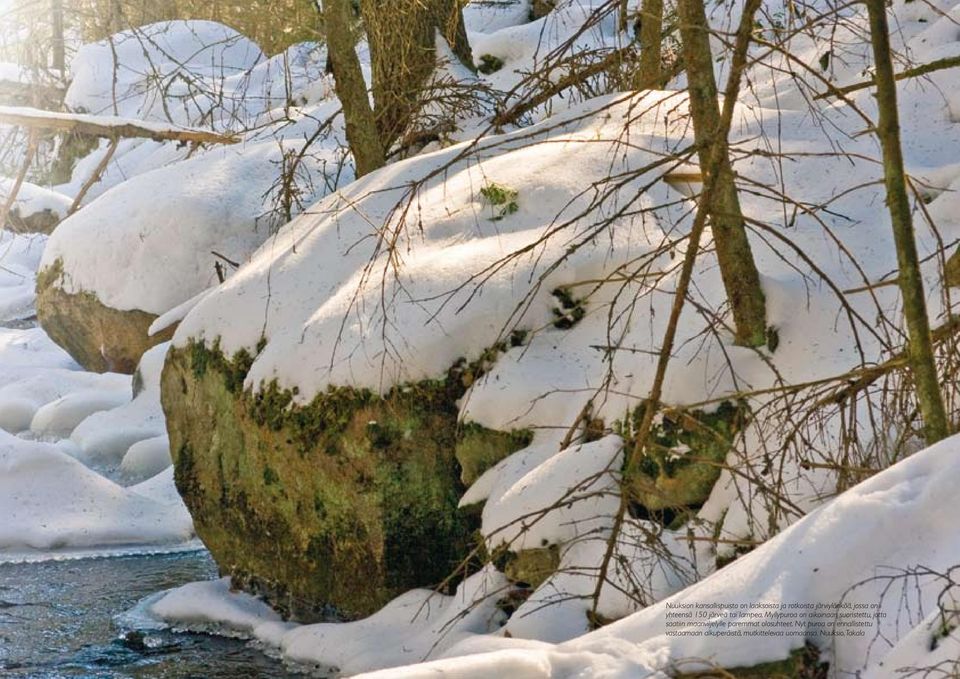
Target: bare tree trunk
651 41
919 348
116 21
361 125
737 268
59 60
402 34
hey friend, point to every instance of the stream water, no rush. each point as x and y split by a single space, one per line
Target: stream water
65 619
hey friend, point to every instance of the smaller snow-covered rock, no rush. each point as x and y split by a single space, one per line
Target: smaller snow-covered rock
110 269
97 336
159 71
19 258
23 399
35 209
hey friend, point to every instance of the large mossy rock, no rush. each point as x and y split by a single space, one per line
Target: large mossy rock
98 337
328 509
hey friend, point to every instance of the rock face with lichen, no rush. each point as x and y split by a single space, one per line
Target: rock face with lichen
328 509
43 221
683 459
478 449
98 337
532 567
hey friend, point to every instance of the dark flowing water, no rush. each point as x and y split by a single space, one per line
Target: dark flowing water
59 619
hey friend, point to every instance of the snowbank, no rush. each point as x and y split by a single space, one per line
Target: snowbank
802 565
19 259
50 501
418 623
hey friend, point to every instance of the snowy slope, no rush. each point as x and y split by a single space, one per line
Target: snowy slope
898 581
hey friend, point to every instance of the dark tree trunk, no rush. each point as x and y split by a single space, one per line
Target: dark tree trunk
920 347
737 268
58 61
402 34
651 41
361 128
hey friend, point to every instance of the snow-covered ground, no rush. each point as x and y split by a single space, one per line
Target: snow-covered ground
893 569
88 440
80 471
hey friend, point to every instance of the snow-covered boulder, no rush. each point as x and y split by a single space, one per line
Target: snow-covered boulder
152 243
171 71
303 427
521 256
98 337
54 400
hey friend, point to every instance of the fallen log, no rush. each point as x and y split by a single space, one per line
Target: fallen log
108 127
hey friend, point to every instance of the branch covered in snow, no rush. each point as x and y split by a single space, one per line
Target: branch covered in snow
109 127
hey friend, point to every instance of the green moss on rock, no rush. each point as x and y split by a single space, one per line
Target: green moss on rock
532 566
684 456
328 509
480 448
98 337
